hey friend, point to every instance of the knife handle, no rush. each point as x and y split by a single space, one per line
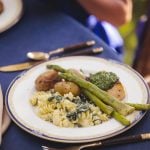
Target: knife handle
117 141
79 46
122 140
73 47
126 139
85 52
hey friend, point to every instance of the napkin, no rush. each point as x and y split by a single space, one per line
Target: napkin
4 118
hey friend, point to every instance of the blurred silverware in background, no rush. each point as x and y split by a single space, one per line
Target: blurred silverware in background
27 65
45 56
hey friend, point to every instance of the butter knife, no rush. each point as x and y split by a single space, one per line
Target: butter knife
19 66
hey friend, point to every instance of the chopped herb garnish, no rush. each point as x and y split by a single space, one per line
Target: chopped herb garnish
82 107
76 100
51 98
83 97
57 97
104 80
72 116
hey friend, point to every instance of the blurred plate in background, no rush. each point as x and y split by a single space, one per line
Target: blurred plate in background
11 14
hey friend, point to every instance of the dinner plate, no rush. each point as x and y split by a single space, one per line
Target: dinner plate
22 87
11 14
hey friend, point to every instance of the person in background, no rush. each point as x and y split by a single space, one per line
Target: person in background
103 17
1 7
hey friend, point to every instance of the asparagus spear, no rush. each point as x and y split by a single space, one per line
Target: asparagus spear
121 118
140 106
120 107
106 109
57 68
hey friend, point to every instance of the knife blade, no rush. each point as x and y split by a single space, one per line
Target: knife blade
19 66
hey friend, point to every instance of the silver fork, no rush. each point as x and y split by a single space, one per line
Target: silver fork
115 141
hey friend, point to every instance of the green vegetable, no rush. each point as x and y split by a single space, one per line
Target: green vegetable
120 107
56 67
82 107
72 116
140 106
57 97
106 109
104 80
121 118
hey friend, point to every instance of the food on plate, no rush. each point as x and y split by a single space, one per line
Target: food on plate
80 74
107 109
104 80
108 81
117 91
69 98
64 87
46 80
1 7
122 108
66 110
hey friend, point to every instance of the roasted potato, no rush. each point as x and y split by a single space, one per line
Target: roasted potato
46 80
117 91
64 87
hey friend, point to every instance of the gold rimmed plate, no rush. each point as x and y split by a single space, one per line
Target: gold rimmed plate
22 87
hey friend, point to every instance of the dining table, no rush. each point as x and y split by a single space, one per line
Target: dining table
42 28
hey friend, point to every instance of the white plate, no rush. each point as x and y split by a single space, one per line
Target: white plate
21 111
11 14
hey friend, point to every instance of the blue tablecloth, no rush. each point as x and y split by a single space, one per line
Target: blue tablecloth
41 28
